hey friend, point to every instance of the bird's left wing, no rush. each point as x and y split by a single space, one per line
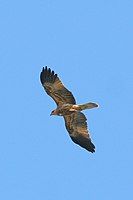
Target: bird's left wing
55 88
76 125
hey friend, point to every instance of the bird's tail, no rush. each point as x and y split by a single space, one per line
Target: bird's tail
88 106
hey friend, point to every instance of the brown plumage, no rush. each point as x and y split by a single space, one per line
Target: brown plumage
75 120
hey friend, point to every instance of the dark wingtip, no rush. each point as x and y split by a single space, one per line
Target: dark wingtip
47 75
91 147
43 69
92 150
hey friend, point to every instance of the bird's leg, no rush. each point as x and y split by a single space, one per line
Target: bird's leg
75 108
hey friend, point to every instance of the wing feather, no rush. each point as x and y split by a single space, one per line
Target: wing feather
55 88
76 125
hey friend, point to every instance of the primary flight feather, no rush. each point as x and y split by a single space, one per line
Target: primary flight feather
75 120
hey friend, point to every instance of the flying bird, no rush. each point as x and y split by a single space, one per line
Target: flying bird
75 120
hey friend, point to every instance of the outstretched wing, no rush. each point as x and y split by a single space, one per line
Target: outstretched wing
76 125
54 87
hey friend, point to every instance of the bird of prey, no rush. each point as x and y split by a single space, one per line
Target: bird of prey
75 120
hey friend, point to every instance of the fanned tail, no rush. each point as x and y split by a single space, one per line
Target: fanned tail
89 105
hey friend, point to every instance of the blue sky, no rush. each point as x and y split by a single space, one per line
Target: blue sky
90 45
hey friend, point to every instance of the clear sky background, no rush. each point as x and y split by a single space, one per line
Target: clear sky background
90 45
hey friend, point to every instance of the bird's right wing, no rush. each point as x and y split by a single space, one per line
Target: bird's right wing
76 125
55 88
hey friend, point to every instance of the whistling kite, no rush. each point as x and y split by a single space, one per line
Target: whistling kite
75 120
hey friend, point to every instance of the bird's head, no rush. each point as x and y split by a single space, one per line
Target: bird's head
53 112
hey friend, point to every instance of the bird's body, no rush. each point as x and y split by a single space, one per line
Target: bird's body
64 109
75 120
67 109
